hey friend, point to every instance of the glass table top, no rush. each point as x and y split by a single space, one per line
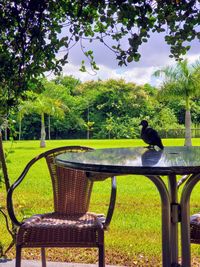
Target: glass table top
136 160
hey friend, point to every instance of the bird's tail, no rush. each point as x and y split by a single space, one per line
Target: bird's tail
161 145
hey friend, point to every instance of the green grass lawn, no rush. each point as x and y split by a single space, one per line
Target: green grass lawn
134 237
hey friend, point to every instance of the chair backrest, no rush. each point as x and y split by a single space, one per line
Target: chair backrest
71 188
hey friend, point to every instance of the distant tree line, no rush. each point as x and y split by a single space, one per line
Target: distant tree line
67 109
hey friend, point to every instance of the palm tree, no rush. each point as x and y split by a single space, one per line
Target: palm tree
181 82
43 104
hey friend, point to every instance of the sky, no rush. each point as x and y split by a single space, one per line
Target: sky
154 55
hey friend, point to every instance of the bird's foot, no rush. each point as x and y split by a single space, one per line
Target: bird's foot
150 147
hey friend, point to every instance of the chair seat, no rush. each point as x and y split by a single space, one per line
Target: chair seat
195 228
60 230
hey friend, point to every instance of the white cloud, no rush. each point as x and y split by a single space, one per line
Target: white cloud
154 55
192 58
139 75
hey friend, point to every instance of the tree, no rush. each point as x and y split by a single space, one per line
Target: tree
43 104
64 89
69 82
30 33
133 21
31 40
182 82
111 104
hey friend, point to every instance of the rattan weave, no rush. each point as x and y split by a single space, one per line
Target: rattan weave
59 230
70 224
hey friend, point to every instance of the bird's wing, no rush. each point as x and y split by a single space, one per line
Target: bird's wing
152 135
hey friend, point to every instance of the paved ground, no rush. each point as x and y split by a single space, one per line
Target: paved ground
28 263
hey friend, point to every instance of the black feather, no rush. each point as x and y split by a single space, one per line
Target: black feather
150 136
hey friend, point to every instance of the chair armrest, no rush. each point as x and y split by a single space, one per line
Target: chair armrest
112 202
10 207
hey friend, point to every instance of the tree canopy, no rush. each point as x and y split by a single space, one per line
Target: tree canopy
101 109
30 33
28 43
133 21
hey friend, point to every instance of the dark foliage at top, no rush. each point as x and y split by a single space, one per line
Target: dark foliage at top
30 33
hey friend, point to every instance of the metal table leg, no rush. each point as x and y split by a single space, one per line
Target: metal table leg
166 219
185 219
174 218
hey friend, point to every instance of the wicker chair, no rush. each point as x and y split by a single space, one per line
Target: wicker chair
194 219
70 224
195 228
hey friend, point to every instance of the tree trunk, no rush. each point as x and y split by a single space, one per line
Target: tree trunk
49 127
12 229
88 119
20 126
6 133
188 138
43 133
88 133
3 164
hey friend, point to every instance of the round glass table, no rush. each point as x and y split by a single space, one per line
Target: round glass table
172 161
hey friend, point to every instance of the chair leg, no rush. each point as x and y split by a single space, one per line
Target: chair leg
43 257
18 256
101 256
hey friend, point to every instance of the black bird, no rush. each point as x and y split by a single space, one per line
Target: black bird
150 136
